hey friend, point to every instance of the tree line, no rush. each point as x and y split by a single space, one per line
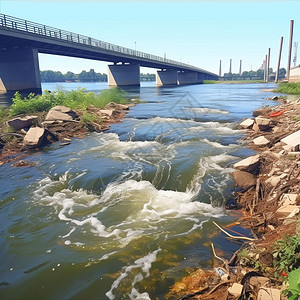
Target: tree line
83 76
254 75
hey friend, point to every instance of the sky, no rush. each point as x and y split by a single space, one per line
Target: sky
200 33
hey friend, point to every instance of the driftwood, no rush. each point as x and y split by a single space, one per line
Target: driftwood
232 236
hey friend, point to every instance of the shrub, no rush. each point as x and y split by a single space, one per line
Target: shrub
287 254
289 88
294 285
79 99
87 118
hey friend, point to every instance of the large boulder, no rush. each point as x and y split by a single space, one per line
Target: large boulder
249 164
293 140
105 112
263 123
21 122
34 137
117 106
261 141
243 179
60 113
247 124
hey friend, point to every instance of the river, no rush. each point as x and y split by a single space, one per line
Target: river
125 213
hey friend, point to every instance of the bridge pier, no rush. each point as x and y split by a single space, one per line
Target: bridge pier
124 75
187 77
200 77
19 70
166 77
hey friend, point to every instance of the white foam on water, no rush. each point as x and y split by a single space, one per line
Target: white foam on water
208 164
218 145
144 265
207 110
147 211
216 127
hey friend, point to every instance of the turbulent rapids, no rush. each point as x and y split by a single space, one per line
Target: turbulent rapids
123 214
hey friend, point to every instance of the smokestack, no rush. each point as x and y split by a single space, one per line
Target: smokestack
265 73
268 65
290 49
240 71
279 58
220 68
230 65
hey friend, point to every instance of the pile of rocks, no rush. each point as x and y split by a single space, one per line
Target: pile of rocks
277 166
62 123
35 135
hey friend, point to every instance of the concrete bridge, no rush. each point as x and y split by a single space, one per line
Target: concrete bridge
22 40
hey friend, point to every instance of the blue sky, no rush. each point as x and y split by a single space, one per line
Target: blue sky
200 33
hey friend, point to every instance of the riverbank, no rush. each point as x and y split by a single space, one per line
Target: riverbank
23 133
268 191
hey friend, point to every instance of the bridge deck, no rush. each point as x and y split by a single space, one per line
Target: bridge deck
15 32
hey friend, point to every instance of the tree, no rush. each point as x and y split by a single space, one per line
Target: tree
282 71
69 76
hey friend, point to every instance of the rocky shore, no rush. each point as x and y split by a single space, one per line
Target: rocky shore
18 136
268 194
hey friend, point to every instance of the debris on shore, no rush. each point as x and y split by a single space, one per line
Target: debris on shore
268 192
60 123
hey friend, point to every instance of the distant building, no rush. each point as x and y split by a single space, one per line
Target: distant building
295 74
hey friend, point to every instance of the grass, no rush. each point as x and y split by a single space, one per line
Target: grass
289 88
231 81
76 99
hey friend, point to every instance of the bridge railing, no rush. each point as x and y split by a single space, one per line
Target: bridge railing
14 23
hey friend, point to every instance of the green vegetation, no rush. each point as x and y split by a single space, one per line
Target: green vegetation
211 81
88 118
294 285
83 76
287 254
76 99
147 77
4 112
254 75
289 88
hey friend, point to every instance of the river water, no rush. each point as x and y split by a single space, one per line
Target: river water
125 213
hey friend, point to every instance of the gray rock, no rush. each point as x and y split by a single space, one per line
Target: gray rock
34 137
293 140
246 124
261 141
258 112
113 105
21 122
263 123
106 112
60 113
243 179
235 289
273 181
249 164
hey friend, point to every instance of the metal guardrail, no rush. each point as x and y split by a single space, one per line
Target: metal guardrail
14 23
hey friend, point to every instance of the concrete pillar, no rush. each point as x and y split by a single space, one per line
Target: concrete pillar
124 75
19 70
200 77
166 77
187 77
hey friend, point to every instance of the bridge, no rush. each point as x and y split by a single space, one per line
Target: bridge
22 40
